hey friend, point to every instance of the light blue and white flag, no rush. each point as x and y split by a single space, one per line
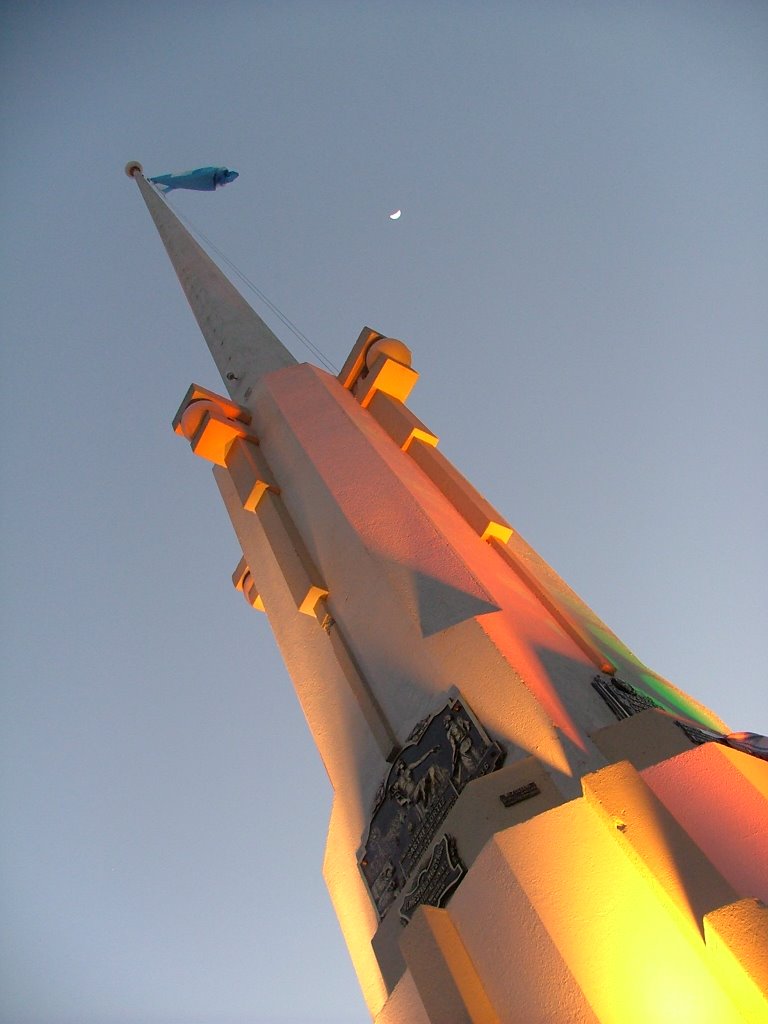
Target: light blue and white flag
202 179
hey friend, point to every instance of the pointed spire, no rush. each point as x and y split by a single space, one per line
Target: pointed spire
242 346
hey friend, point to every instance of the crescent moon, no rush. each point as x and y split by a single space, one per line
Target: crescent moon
395 215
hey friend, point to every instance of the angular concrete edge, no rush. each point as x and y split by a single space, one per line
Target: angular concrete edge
447 981
662 850
737 945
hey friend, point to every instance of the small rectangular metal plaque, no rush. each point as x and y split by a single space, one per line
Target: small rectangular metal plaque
516 796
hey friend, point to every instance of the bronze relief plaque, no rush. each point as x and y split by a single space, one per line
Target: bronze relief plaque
444 752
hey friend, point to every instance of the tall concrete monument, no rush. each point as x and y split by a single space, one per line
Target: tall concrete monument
529 825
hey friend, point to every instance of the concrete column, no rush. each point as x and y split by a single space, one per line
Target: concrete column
446 979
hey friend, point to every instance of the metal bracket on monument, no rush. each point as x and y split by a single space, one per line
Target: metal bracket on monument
445 751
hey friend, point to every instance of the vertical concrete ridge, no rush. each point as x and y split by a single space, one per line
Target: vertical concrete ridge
737 942
652 838
635 959
404 1004
713 792
351 901
447 981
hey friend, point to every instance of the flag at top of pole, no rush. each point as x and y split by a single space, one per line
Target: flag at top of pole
201 179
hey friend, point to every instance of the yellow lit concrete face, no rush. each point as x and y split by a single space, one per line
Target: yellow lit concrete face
609 911
447 981
737 944
601 911
613 937
351 903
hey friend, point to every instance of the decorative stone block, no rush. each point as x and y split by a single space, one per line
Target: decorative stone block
300 572
244 582
389 376
249 472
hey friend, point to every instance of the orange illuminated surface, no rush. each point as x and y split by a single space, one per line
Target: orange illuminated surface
351 903
720 797
395 510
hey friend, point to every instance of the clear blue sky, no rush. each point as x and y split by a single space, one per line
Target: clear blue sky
580 270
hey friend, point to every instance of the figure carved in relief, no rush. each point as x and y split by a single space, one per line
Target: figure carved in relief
458 731
384 887
410 793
